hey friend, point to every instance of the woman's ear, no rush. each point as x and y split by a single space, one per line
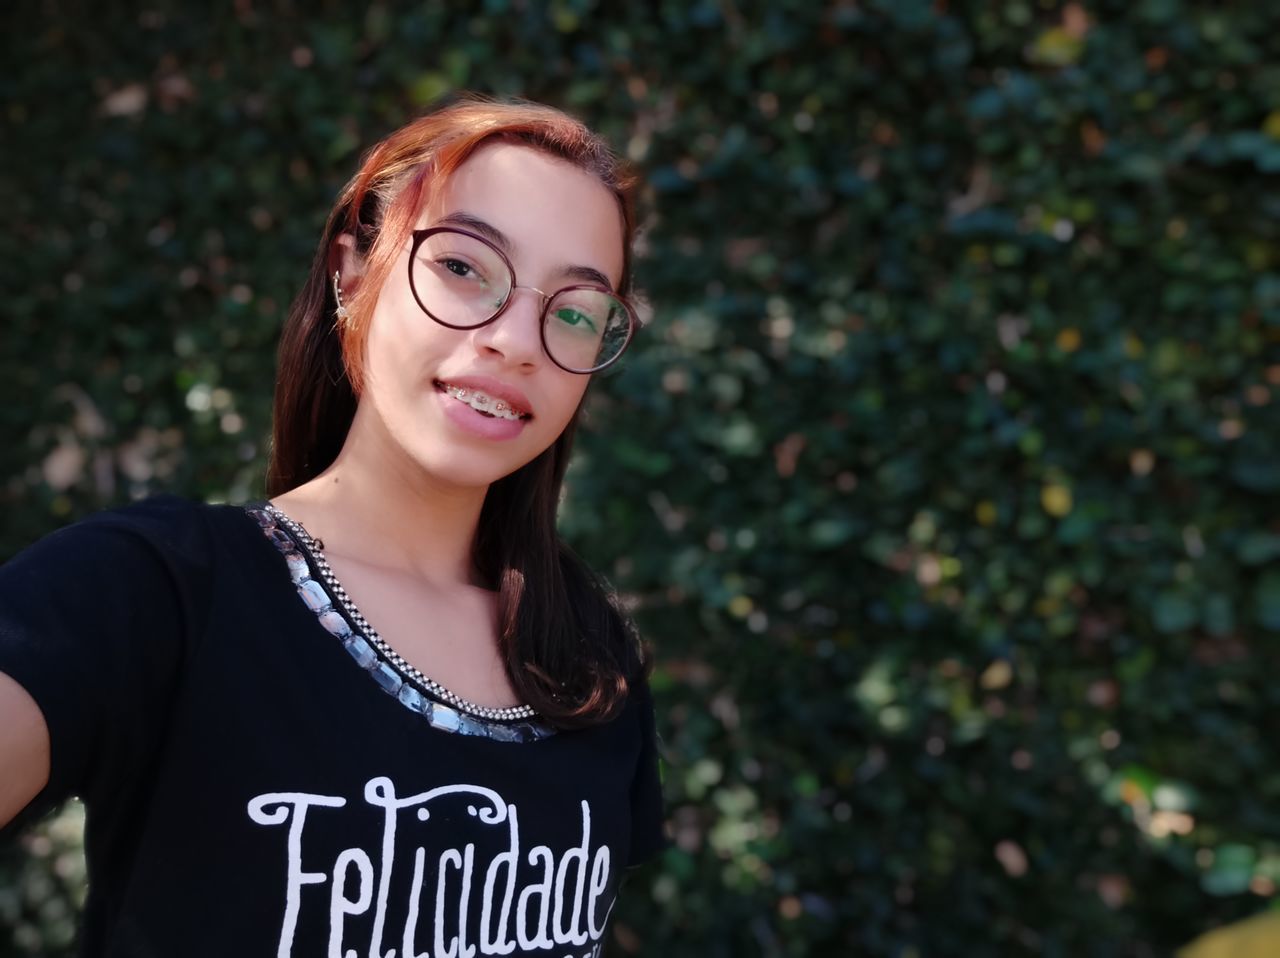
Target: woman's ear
346 262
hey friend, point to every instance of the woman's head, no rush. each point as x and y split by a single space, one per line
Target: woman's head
536 171
470 405
403 179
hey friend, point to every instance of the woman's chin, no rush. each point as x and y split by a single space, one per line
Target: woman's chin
464 469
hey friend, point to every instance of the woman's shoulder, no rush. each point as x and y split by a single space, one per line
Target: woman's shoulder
175 528
159 514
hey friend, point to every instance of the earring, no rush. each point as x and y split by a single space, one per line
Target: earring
342 314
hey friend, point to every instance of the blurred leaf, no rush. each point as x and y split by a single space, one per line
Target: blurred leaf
1231 872
1267 600
1174 612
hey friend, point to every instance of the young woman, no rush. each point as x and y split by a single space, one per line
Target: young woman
385 712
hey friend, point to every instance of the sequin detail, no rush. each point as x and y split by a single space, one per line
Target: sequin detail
369 651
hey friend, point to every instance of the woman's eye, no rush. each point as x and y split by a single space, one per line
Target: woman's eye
458 267
577 319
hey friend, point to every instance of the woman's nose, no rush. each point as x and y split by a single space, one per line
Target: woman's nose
516 334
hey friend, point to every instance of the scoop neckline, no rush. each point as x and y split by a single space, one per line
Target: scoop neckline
322 594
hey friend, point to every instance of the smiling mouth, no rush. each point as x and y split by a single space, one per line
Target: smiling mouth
483 403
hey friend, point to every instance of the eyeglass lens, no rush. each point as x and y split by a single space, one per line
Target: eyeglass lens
462 281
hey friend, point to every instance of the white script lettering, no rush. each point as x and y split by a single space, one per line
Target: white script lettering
557 896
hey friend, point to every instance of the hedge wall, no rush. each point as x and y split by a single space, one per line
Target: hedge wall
944 482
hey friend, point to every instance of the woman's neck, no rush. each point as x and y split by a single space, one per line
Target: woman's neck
384 510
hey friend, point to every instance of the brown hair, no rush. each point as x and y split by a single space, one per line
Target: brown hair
569 652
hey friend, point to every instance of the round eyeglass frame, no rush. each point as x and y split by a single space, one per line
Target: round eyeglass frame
633 321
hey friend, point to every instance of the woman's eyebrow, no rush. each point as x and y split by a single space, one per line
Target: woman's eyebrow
474 223
469 221
588 274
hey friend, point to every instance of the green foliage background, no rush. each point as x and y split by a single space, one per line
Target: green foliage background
944 481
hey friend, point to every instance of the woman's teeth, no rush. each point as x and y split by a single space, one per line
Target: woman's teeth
483 403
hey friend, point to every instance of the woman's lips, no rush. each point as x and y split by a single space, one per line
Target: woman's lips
487 394
477 423
482 402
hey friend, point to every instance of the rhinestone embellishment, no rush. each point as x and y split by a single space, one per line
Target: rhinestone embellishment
336 612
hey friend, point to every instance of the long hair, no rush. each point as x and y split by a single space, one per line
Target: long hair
568 650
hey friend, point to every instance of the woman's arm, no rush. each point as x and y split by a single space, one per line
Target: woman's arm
24 749
95 627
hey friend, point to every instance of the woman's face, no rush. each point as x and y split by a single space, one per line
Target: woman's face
425 384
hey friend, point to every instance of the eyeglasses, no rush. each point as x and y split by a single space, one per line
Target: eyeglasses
463 281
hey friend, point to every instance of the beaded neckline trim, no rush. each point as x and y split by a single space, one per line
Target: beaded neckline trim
324 596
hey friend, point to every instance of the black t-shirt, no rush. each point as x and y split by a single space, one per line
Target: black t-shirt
260 780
